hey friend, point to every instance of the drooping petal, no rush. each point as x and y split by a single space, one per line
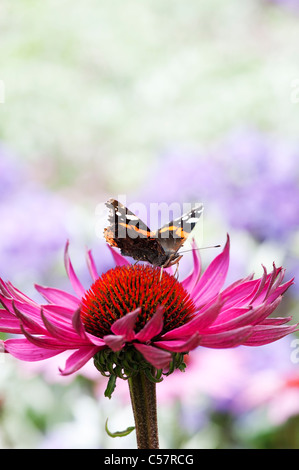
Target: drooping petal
23 349
157 357
63 314
240 316
28 322
276 321
58 297
47 342
198 323
264 334
153 327
77 286
226 339
61 332
95 340
9 323
28 309
78 325
115 342
124 326
18 295
239 295
180 345
78 359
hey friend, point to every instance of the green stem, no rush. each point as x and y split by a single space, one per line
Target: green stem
144 404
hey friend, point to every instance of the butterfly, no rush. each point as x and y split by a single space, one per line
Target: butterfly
132 236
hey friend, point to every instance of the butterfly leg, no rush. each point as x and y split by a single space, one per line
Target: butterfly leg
161 272
176 273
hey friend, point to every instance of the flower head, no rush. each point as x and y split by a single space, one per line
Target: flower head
135 316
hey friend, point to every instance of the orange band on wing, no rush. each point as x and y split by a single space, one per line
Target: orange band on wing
139 230
177 230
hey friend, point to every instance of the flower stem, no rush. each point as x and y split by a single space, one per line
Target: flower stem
144 404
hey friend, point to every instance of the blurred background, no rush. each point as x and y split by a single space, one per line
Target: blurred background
161 102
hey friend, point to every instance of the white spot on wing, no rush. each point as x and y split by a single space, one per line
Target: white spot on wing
132 217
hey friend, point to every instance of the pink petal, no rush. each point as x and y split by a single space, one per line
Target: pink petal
237 317
190 282
78 325
124 326
95 339
264 334
23 349
226 339
57 296
118 258
276 321
180 345
10 326
78 359
213 278
271 279
201 321
33 326
280 290
28 309
157 357
61 333
8 322
115 342
261 285
91 265
153 327
47 342
18 295
64 314
239 295
77 286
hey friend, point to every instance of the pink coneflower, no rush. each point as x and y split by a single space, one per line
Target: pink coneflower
134 320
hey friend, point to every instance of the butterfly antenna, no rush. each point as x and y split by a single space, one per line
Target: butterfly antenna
201 248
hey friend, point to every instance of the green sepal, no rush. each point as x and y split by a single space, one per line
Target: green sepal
128 362
110 386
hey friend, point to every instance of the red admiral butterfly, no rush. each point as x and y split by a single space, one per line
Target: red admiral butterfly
135 239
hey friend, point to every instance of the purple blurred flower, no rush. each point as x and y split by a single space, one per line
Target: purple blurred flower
250 179
12 173
291 4
33 222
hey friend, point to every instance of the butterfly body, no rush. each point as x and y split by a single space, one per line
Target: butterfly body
159 248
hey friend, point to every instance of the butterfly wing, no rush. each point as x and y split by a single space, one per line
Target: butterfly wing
132 236
173 235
